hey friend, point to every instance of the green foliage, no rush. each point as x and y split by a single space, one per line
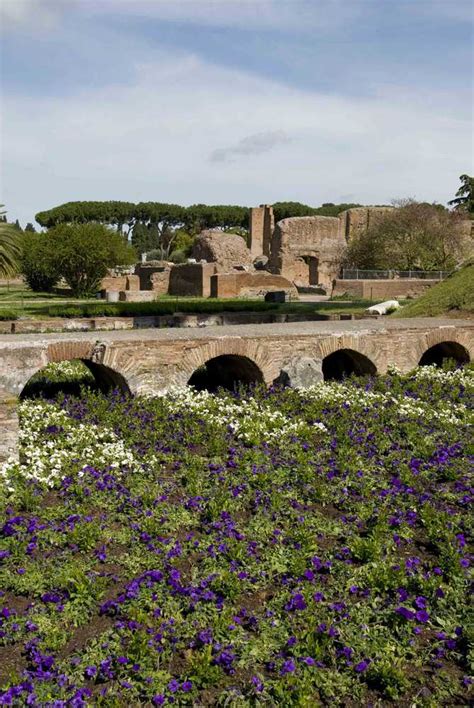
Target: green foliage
454 293
464 200
160 307
307 566
10 248
6 315
178 256
413 236
285 210
38 261
84 252
149 225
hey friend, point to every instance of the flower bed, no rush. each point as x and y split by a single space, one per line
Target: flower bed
281 548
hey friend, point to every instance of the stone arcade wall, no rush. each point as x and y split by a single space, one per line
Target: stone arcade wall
150 361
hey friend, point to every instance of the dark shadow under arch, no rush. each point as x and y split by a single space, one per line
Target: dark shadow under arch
440 353
94 377
347 362
226 371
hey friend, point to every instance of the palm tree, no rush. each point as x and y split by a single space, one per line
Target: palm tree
9 247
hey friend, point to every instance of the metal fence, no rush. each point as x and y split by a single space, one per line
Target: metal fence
356 274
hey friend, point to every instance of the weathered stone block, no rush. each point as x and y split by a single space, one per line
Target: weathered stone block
300 372
9 428
216 246
191 279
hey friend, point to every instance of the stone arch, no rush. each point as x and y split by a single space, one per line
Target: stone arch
226 371
248 361
442 351
457 341
346 362
372 349
104 379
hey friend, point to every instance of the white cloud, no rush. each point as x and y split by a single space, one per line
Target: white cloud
257 14
151 140
250 145
303 15
38 14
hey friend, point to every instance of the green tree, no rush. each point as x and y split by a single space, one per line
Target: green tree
30 227
413 236
38 263
10 247
285 210
84 252
464 200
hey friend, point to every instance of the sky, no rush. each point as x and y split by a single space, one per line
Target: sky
234 101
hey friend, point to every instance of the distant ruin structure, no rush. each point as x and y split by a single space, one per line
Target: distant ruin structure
262 225
227 250
356 221
307 250
296 254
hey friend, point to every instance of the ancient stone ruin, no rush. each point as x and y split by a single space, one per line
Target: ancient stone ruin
299 253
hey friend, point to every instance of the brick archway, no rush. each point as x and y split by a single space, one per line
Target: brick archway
438 337
346 362
364 348
257 355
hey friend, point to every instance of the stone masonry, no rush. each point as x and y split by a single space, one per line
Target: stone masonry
307 250
150 361
262 224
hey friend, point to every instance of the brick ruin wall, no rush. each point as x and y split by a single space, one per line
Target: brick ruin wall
301 245
244 284
383 289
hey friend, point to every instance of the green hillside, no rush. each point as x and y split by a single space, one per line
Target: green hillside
455 294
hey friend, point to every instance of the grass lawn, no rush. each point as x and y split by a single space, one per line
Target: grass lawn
286 548
452 296
18 301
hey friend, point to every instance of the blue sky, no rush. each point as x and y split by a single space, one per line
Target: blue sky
234 101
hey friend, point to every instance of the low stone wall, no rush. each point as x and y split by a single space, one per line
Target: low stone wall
137 296
382 289
121 282
244 284
176 319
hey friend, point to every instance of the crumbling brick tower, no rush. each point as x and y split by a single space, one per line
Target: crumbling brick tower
262 224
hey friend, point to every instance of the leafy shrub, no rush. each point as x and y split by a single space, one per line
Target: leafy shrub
178 256
160 307
84 252
8 315
38 263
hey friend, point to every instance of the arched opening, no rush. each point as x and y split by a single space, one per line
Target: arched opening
70 377
441 353
226 371
347 362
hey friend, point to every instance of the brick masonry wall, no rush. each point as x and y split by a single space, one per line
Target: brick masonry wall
383 289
